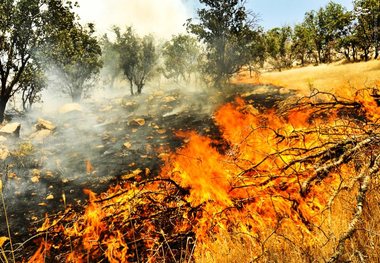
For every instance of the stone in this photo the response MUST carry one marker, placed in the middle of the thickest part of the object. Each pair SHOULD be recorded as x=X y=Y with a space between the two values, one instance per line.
x=40 y=135
x=2 y=139
x=11 y=129
x=4 y=152
x=45 y=125
x=70 y=107
x=137 y=122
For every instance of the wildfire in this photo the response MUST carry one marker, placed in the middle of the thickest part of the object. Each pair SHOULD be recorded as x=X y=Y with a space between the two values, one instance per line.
x=277 y=175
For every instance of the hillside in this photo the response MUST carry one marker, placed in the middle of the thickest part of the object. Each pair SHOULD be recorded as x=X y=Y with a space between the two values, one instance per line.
x=331 y=77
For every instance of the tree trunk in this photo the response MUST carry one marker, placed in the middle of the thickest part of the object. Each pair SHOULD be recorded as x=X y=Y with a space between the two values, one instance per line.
x=76 y=96
x=3 y=104
x=139 y=88
x=347 y=54
x=366 y=54
x=131 y=87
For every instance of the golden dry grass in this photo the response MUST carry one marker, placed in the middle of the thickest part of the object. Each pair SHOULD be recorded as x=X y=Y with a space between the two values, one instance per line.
x=324 y=77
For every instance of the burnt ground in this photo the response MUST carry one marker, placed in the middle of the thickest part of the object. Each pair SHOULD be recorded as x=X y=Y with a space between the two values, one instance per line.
x=103 y=144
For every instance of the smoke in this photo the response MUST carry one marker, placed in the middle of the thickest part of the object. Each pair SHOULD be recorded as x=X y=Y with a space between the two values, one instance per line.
x=163 y=18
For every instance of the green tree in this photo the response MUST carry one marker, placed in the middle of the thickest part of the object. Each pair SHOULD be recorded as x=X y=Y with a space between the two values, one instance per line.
x=76 y=55
x=147 y=60
x=31 y=83
x=110 y=57
x=127 y=46
x=226 y=30
x=367 y=13
x=327 y=25
x=302 y=45
x=21 y=31
x=278 y=47
x=29 y=30
x=137 y=57
x=181 y=57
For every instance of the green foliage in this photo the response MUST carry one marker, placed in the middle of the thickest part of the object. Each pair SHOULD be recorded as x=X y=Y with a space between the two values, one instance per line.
x=278 y=47
x=227 y=32
x=32 y=82
x=137 y=56
x=30 y=29
x=21 y=30
x=146 y=62
x=76 y=54
x=367 y=13
x=302 y=44
x=181 y=57
x=110 y=57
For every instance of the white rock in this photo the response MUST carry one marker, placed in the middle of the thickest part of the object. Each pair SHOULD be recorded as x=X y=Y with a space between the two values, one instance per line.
x=11 y=129
x=45 y=125
x=40 y=135
x=70 y=107
x=4 y=152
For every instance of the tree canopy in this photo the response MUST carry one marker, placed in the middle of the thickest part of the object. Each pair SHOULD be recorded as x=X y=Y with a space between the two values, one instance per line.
x=181 y=57
x=32 y=31
x=226 y=29
x=137 y=57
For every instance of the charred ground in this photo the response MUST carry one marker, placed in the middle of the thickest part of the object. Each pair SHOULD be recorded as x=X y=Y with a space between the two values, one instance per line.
x=106 y=142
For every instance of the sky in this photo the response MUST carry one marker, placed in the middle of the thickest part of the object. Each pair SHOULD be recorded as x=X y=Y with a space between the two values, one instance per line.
x=164 y=18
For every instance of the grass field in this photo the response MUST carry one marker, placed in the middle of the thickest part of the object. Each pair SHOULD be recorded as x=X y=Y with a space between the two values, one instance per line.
x=323 y=77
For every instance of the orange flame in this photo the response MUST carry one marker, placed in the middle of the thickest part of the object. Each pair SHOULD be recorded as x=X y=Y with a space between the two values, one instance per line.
x=253 y=187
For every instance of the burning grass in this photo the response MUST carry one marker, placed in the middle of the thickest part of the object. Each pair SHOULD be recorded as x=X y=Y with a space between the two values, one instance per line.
x=292 y=184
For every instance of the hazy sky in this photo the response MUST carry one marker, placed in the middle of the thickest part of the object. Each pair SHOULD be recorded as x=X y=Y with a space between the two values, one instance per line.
x=166 y=17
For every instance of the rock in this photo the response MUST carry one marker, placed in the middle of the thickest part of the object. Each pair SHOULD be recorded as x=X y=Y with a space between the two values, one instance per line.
x=4 y=152
x=40 y=135
x=137 y=122
x=129 y=105
x=11 y=129
x=45 y=125
x=2 y=139
x=169 y=99
x=70 y=107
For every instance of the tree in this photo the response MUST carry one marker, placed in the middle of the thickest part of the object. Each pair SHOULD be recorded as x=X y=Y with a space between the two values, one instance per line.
x=278 y=47
x=126 y=45
x=20 y=34
x=181 y=55
x=137 y=57
x=75 y=53
x=110 y=57
x=367 y=14
x=147 y=59
x=26 y=27
x=326 y=26
x=302 y=44
x=226 y=30
x=32 y=82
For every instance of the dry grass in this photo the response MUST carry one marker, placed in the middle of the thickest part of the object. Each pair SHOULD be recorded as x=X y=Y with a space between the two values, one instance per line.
x=324 y=77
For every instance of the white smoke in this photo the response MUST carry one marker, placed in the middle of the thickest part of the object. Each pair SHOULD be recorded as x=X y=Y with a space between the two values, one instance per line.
x=163 y=18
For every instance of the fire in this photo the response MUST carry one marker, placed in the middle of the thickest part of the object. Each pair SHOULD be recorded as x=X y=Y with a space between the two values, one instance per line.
x=41 y=253
x=277 y=174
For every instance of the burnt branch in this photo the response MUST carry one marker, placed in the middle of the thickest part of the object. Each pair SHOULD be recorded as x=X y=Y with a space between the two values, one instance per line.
x=365 y=180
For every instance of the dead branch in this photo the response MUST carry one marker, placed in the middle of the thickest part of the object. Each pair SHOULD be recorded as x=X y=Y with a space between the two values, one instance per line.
x=322 y=171
x=365 y=180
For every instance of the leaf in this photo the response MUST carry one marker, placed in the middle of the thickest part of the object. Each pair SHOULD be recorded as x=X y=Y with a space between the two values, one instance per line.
x=127 y=145
x=161 y=131
x=139 y=121
x=3 y=240
x=89 y=167
x=35 y=179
